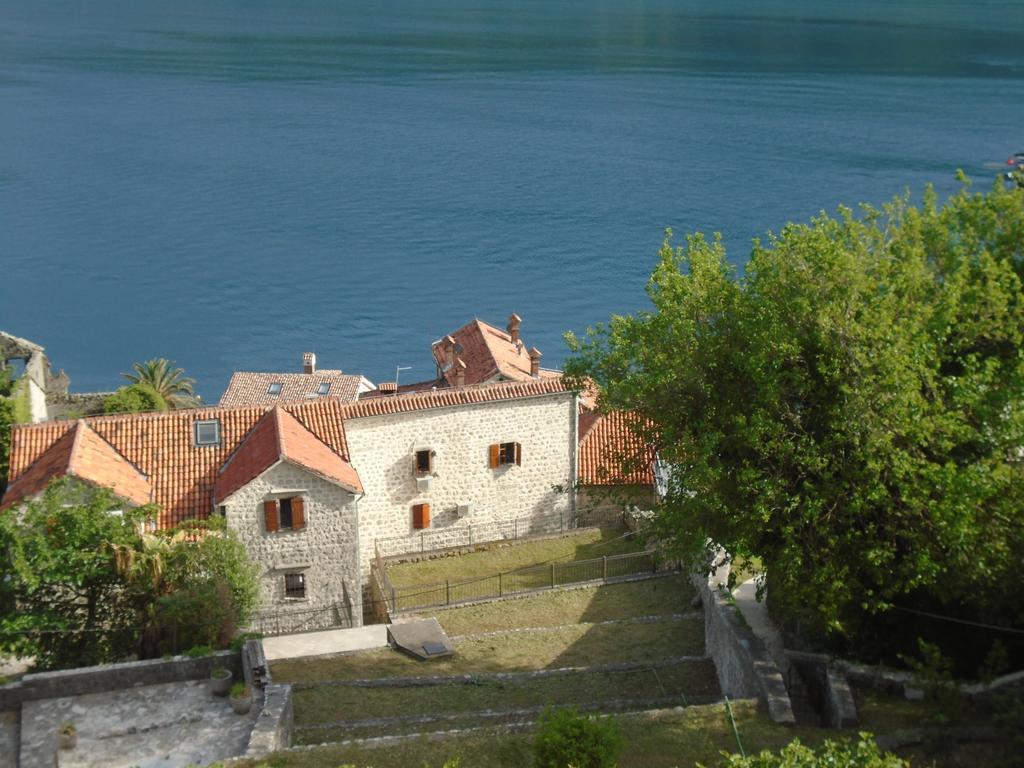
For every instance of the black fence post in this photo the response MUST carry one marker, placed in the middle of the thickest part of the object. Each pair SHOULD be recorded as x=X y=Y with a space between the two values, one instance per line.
x=604 y=567
x=552 y=575
x=447 y=593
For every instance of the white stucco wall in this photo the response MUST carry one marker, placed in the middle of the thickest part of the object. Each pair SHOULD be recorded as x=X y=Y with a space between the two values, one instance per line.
x=36 y=400
x=325 y=550
x=382 y=449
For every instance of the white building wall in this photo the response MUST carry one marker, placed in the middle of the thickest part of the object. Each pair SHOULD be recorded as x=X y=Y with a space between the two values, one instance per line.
x=325 y=550
x=36 y=400
x=382 y=449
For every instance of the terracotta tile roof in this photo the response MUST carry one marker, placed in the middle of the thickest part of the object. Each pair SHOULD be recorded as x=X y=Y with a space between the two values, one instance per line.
x=184 y=476
x=442 y=398
x=487 y=352
x=611 y=452
x=161 y=445
x=252 y=388
x=82 y=453
x=279 y=436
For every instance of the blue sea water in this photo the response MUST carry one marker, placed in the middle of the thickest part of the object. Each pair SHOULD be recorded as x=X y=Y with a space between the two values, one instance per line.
x=229 y=183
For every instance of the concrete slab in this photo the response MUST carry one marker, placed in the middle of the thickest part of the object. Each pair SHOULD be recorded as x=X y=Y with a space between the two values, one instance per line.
x=423 y=639
x=325 y=643
x=153 y=726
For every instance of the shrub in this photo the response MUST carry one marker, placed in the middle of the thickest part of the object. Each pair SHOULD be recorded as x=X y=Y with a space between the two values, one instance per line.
x=197 y=651
x=134 y=399
x=832 y=754
x=567 y=738
x=240 y=640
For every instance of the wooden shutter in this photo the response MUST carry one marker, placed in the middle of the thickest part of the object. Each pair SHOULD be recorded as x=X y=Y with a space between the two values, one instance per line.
x=271 y=519
x=298 y=513
x=495 y=455
x=420 y=515
x=519 y=455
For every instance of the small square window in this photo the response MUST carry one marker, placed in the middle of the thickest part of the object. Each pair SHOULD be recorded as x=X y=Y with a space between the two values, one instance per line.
x=424 y=462
x=507 y=453
x=295 y=585
x=275 y=388
x=207 y=432
x=324 y=388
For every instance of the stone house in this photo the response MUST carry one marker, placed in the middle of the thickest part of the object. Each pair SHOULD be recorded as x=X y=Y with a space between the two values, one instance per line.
x=259 y=388
x=310 y=486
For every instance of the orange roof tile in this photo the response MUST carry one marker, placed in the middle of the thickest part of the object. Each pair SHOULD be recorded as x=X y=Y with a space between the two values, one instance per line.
x=252 y=388
x=184 y=476
x=487 y=352
x=279 y=436
x=612 y=452
x=82 y=453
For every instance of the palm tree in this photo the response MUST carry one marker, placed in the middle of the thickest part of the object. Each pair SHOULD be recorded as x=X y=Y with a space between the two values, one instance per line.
x=170 y=383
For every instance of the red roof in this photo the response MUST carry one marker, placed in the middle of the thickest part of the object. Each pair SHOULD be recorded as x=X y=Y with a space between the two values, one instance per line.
x=82 y=453
x=253 y=388
x=279 y=436
x=487 y=352
x=612 y=450
x=186 y=478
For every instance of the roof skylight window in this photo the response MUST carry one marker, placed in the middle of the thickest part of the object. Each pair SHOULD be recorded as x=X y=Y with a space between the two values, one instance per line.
x=275 y=388
x=324 y=388
x=207 y=432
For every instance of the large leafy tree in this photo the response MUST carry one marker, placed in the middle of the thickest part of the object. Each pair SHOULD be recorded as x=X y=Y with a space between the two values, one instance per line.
x=849 y=409
x=170 y=384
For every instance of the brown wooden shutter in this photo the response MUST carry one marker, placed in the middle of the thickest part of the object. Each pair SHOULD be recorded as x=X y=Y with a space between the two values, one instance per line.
x=519 y=455
x=495 y=455
x=298 y=513
x=271 y=519
x=420 y=515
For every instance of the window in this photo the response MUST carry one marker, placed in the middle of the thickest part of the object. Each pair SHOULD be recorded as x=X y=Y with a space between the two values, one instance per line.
x=502 y=454
x=420 y=515
x=287 y=514
x=424 y=462
x=295 y=585
x=207 y=432
x=275 y=388
x=324 y=388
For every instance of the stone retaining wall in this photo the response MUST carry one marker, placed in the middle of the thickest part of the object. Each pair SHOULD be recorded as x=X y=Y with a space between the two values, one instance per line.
x=112 y=677
x=828 y=687
x=745 y=669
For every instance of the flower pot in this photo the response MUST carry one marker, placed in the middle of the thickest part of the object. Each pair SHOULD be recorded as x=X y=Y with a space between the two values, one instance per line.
x=67 y=740
x=241 y=704
x=220 y=682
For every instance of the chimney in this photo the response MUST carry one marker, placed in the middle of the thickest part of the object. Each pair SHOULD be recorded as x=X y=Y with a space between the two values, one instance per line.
x=535 y=357
x=460 y=373
x=513 y=328
x=449 y=350
x=308 y=362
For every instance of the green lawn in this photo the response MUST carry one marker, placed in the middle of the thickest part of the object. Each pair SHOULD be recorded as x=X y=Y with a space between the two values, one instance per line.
x=501 y=557
x=665 y=595
x=569 y=646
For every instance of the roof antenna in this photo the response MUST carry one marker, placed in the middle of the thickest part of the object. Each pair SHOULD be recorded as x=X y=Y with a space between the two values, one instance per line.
x=399 y=369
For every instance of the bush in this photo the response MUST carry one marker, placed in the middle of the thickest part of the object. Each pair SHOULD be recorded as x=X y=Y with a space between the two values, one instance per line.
x=832 y=754
x=134 y=399
x=567 y=738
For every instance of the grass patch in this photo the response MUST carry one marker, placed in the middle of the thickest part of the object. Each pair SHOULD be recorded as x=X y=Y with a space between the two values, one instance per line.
x=662 y=740
x=569 y=646
x=611 y=601
x=583 y=545
x=330 y=703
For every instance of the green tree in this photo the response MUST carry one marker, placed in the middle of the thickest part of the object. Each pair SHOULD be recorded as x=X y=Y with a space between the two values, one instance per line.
x=849 y=410
x=6 y=422
x=567 y=738
x=135 y=398
x=61 y=599
x=832 y=754
x=171 y=384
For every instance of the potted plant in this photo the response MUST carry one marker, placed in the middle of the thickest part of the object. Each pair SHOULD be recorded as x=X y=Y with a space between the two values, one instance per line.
x=67 y=736
x=220 y=681
x=241 y=698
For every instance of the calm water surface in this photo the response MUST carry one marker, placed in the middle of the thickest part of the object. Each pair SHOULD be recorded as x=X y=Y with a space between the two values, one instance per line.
x=228 y=183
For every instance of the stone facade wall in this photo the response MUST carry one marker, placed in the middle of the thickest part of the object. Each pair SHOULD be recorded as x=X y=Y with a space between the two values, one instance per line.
x=601 y=505
x=382 y=449
x=325 y=550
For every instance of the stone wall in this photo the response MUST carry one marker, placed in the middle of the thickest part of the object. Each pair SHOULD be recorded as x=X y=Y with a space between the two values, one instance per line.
x=745 y=669
x=382 y=449
x=113 y=677
x=325 y=550
x=601 y=505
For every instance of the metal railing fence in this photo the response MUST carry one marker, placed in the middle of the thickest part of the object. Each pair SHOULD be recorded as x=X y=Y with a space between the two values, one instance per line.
x=287 y=622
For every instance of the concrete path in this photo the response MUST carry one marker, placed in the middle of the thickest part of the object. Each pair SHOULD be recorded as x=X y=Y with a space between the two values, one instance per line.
x=756 y=615
x=326 y=642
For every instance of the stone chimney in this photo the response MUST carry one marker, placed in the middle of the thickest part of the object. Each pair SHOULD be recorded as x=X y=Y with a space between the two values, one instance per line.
x=449 y=350
x=535 y=357
x=460 y=373
x=513 y=328
x=308 y=362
